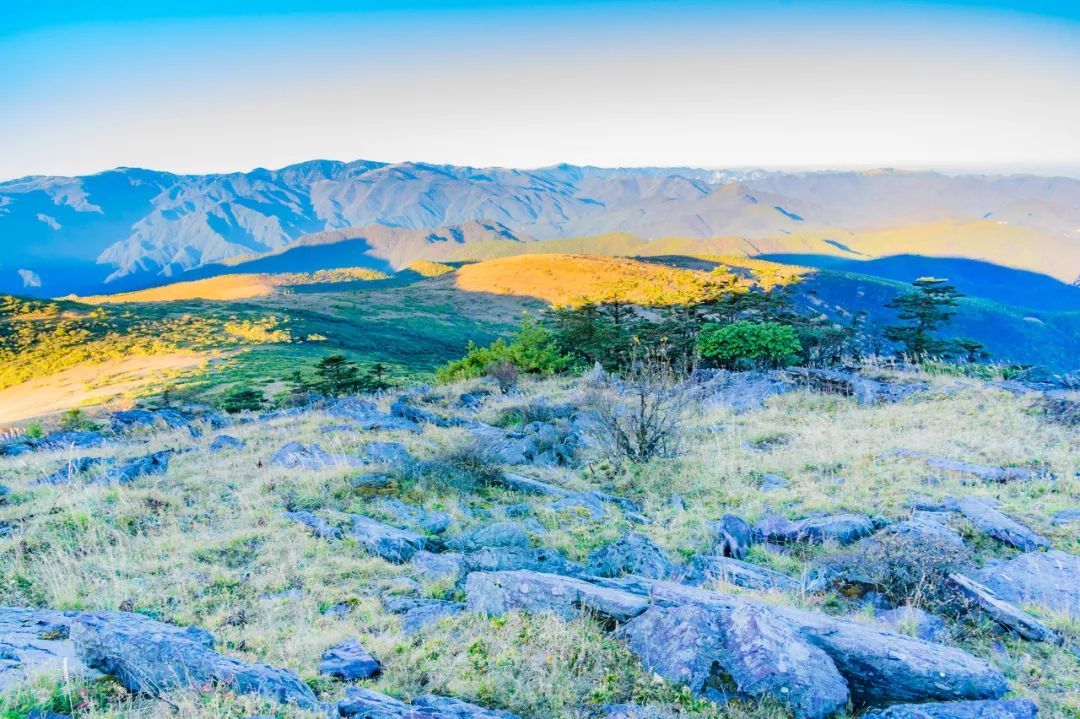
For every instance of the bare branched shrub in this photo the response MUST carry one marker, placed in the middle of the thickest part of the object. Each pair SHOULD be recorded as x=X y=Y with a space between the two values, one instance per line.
x=505 y=375
x=913 y=567
x=641 y=414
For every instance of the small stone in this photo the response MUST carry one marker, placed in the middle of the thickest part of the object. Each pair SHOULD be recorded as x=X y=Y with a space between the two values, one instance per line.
x=349 y=661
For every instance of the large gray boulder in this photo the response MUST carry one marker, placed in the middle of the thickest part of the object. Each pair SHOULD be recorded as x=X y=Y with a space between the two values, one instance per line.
x=1046 y=579
x=994 y=524
x=392 y=544
x=497 y=593
x=1005 y=709
x=881 y=667
x=743 y=391
x=841 y=528
x=631 y=554
x=763 y=656
x=149 y=657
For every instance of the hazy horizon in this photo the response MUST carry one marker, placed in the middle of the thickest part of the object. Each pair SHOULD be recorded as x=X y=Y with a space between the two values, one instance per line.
x=974 y=171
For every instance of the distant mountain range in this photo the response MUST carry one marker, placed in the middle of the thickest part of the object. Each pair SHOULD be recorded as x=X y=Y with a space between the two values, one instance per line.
x=130 y=228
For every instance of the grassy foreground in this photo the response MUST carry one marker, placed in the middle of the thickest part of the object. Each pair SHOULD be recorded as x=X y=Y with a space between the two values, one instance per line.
x=206 y=544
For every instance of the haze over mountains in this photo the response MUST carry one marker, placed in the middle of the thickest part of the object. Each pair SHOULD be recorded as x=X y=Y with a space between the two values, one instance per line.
x=131 y=228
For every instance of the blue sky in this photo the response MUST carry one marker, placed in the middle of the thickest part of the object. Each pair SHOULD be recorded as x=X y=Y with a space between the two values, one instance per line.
x=207 y=85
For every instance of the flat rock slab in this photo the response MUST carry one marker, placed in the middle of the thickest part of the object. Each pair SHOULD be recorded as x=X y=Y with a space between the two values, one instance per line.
x=150 y=657
x=739 y=573
x=370 y=704
x=392 y=544
x=1047 y=579
x=1004 y=613
x=497 y=593
x=981 y=472
x=880 y=667
x=37 y=642
x=1004 y=709
x=319 y=526
x=994 y=524
x=294 y=455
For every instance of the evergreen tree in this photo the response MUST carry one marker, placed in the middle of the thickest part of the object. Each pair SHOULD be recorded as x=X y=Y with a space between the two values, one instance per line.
x=971 y=350
x=926 y=310
x=335 y=376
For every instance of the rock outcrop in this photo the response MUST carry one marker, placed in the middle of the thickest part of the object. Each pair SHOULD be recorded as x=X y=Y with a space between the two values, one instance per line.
x=149 y=657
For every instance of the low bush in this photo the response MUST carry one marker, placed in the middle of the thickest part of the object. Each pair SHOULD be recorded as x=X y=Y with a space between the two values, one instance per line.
x=913 y=567
x=460 y=468
x=531 y=351
x=75 y=420
x=746 y=345
x=240 y=398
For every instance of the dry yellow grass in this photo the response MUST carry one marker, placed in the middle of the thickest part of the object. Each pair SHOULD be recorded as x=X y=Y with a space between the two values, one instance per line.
x=233 y=287
x=571 y=279
x=98 y=383
x=208 y=539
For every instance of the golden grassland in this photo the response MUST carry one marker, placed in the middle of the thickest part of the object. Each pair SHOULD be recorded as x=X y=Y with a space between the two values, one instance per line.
x=235 y=287
x=208 y=539
x=573 y=279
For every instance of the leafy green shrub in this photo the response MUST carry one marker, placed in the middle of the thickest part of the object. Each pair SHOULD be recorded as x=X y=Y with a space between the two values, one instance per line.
x=75 y=420
x=747 y=344
x=34 y=430
x=532 y=350
x=239 y=398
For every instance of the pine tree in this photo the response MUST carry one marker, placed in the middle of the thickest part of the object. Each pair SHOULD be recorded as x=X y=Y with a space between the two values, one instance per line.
x=335 y=376
x=927 y=310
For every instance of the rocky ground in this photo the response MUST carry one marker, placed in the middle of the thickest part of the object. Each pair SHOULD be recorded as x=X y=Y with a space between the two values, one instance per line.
x=825 y=544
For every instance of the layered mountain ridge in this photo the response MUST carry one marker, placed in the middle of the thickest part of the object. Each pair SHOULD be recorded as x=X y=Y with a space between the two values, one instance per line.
x=130 y=228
